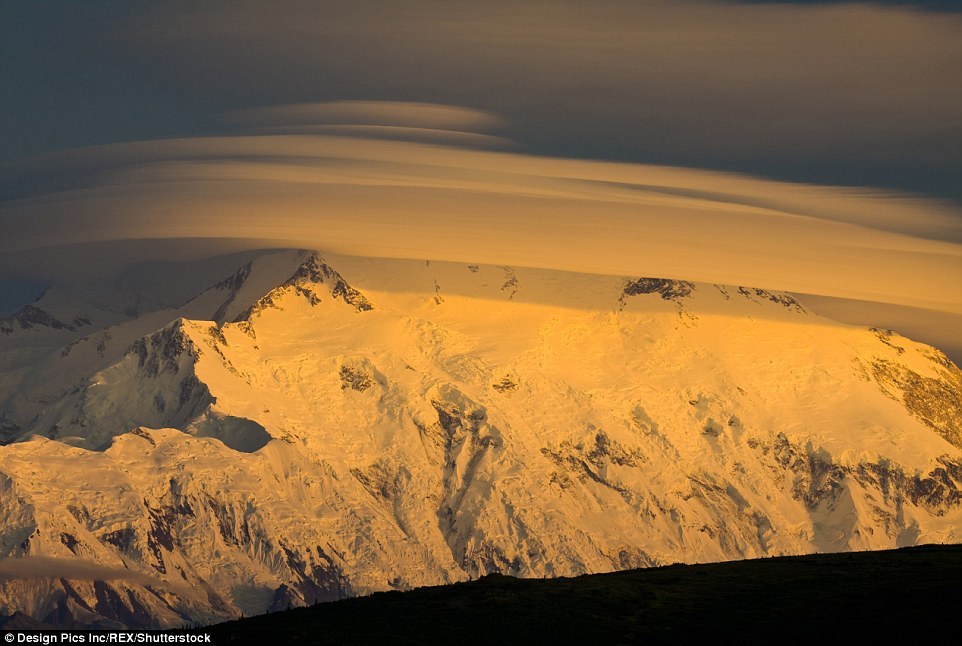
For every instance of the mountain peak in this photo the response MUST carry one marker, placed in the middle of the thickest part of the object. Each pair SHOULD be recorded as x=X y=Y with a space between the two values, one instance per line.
x=311 y=273
x=527 y=426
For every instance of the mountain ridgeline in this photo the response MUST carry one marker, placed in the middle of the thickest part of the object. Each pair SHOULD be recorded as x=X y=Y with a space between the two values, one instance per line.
x=312 y=428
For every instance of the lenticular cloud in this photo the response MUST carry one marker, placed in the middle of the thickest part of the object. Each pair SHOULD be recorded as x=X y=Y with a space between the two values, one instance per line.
x=387 y=179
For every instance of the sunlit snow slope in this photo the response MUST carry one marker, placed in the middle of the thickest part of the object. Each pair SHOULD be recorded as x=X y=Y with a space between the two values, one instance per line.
x=315 y=427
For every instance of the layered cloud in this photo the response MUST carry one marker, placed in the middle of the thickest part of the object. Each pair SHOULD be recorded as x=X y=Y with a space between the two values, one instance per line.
x=837 y=92
x=415 y=199
x=368 y=113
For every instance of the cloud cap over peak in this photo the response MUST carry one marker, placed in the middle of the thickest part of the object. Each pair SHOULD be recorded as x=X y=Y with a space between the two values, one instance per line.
x=376 y=196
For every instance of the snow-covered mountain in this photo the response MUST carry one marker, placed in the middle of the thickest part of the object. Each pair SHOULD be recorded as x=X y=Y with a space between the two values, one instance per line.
x=315 y=427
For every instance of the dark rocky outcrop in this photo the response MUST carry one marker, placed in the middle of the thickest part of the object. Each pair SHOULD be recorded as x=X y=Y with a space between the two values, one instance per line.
x=31 y=317
x=786 y=301
x=313 y=271
x=668 y=289
x=936 y=402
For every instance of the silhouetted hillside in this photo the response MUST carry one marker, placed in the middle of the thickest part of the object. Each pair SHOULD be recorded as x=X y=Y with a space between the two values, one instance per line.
x=909 y=594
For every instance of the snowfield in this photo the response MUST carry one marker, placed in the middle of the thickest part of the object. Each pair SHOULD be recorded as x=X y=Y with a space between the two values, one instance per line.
x=313 y=427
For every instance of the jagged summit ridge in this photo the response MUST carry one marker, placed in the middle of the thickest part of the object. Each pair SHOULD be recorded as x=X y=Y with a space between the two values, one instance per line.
x=311 y=273
x=479 y=419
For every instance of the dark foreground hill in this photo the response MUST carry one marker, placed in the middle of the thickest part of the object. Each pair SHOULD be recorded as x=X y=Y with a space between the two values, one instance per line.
x=912 y=594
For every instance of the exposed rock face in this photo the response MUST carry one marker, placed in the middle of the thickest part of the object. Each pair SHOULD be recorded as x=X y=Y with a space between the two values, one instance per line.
x=232 y=285
x=189 y=469
x=938 y=491
x=816 y=480
x=669 y=290
x=30 y=317
x=160 y=352
x=312 y=273
x=935 y=401
x=786 y=301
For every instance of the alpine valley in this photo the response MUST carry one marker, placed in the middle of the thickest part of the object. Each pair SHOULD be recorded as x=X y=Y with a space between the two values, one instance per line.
x=192 y=443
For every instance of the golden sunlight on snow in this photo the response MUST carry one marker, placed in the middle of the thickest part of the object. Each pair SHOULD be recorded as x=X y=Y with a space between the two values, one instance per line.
x=392 y=190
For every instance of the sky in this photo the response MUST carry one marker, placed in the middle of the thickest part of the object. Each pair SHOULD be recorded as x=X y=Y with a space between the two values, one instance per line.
x=837 y=93
x=809 y=146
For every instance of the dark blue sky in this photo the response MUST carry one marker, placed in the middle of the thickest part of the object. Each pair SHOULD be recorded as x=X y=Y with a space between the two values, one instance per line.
x=785 y=90
x=66 y=85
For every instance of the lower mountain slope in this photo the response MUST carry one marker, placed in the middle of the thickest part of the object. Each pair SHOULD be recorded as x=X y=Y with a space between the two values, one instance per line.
x=311 y=428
